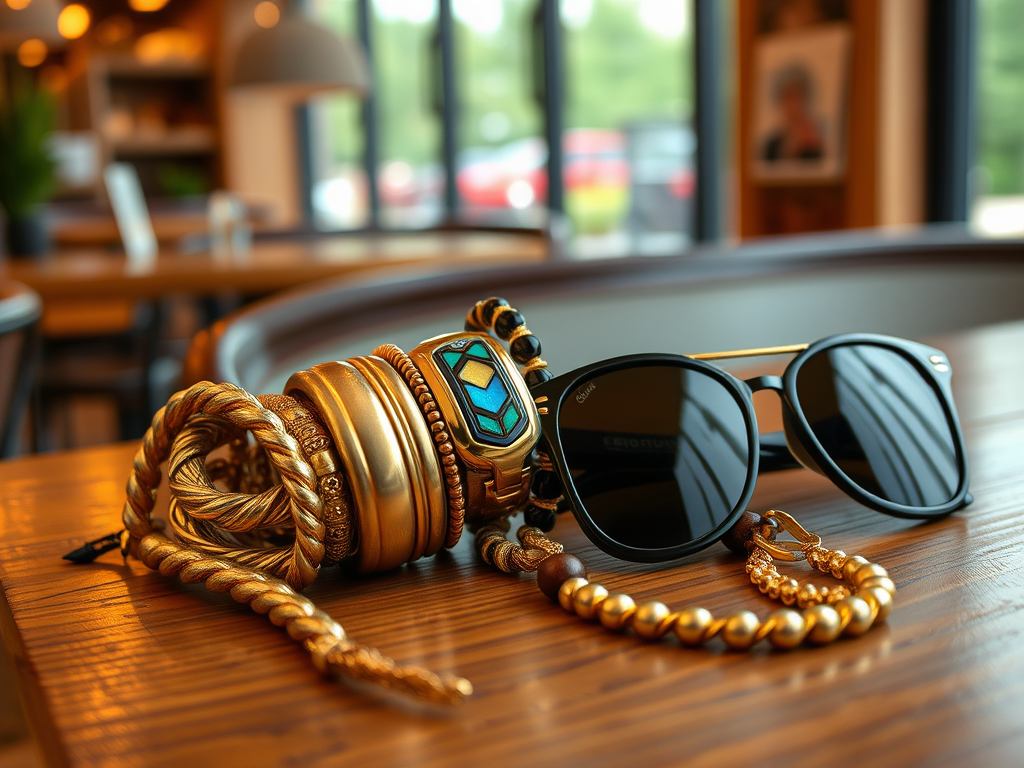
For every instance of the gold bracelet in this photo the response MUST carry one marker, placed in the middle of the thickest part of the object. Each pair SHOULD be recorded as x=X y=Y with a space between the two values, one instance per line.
x=827 y=612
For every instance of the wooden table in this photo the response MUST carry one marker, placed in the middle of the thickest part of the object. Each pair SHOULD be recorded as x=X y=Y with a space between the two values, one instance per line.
x=268 y=267
x=122 y=666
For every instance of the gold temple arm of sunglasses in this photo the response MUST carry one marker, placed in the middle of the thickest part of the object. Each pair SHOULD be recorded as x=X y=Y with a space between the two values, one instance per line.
x=788 y=349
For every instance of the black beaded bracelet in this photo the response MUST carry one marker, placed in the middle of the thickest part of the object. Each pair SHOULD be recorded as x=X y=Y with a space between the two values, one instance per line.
x=509 y=326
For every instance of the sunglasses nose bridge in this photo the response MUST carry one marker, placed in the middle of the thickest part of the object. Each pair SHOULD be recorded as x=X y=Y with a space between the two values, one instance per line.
x=761 y=383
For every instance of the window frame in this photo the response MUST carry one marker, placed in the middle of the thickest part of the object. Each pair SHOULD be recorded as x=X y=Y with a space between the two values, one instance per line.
x=708 y=120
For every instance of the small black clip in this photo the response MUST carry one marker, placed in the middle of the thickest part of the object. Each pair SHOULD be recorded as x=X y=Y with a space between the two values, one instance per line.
x=93 y=549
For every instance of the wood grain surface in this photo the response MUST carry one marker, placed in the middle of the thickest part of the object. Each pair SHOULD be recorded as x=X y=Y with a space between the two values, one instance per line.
x=269 y=266
x=122 y=666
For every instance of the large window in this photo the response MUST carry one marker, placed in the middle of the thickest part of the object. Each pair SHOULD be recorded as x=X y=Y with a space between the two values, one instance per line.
x=628 y=144
x=407 y=167
x=478 y=139
x=999 y=172
x=501 y=174
x=339 y=193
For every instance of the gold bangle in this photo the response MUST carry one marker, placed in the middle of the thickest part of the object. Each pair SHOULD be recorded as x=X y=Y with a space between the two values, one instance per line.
x=376 y=447
x=453 y=473
x=421 y=461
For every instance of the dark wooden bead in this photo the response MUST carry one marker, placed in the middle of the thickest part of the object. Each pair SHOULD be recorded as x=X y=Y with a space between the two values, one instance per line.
x=545 y=484
x=538 y=376
x=737 y=538
x=556 y=570
x=539 y=517
x=508 y=322
x=525 y=348
x=487 y=311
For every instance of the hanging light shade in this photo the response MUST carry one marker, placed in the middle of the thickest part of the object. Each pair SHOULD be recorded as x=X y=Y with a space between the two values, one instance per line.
x=35 y=21
x=298 y=59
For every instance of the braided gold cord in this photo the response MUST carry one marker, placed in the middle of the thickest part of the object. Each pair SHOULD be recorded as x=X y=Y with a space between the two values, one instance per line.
x=533 y=548
x=245 y=413
x=233 y=409
x=211 y=520
x=323 y=637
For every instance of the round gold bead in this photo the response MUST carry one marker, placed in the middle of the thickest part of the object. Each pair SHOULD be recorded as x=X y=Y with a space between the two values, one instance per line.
x=825 y=624
x=857 y=613
x=806 y=595
x=865 y=572
x=692 y=625
x=566 y=592
x=756 y=574
x=879 y=581
x=788 y=630
x=615 y=611
x=740 y=630
x=787 y=591
x=851 y=565
x=877 y=596
x=587 y=599
x=649 y=618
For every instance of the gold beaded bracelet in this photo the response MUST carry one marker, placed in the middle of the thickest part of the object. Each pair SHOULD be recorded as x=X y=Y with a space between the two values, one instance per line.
x=827 y=613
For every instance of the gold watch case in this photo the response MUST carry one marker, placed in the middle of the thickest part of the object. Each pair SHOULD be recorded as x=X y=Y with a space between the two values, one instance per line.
x=491 y=416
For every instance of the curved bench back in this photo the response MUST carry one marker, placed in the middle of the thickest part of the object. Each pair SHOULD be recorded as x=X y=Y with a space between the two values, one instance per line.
x=781 y=291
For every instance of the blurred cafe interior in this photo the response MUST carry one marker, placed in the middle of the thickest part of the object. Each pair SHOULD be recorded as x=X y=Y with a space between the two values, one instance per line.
x=234 y=190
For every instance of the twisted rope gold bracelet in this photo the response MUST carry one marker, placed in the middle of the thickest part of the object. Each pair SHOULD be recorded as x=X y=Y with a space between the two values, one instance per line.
x=192 y=423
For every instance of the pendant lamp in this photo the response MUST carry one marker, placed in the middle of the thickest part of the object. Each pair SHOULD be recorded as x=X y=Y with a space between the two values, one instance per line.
x=297 y=58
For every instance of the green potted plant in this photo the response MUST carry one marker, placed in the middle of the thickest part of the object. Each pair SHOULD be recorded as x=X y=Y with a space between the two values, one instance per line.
x=27 y=179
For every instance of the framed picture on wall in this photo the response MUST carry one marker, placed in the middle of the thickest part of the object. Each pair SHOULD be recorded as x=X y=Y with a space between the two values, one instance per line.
x=801 y=92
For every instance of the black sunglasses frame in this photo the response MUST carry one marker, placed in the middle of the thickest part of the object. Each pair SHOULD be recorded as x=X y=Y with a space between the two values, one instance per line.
x=803 y=446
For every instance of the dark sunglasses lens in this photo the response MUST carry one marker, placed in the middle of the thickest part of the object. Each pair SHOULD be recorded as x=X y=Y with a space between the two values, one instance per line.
x=658 y=454
x=878 y=418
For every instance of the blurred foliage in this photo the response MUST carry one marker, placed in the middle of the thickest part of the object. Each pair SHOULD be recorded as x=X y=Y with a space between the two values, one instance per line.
x=1001 y=95
x=27 y=178
x=179 y=180
x=495 y=79
x=618 y=70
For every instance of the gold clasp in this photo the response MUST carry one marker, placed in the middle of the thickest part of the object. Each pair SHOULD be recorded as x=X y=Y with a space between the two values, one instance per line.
x=785 y=550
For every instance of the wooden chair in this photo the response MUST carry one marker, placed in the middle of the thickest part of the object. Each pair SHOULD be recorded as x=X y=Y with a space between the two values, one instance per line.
x=116 y=365
x=20 y=310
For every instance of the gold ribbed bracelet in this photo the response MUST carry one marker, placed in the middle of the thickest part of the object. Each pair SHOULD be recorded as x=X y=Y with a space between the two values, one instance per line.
x=439 y=431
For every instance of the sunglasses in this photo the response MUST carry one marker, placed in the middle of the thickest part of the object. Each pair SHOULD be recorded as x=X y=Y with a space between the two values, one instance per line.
x=658 y=454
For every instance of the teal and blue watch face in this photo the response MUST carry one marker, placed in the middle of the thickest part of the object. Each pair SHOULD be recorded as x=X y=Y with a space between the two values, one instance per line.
x=491 y=407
